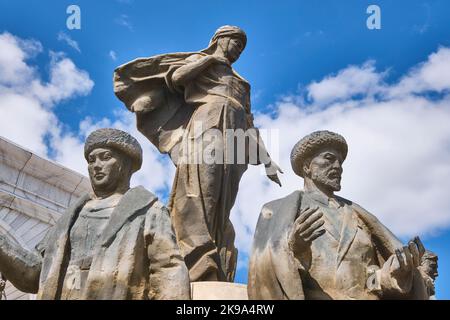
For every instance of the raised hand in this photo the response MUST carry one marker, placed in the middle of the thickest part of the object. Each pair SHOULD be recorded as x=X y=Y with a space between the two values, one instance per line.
x=401 y=265
x=306 y=229
x=272 y=172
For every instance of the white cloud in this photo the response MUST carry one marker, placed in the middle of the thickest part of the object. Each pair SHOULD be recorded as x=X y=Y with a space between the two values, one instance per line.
x=353 y=80
x=64 y=37
x=399 y=140
x=431 y=75
x=66 y=81
x=26 y=101
x=13 y=69
x=398 y=166
x=24 y=121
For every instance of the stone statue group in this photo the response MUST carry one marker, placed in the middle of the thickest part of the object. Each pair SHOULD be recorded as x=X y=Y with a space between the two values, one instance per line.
x=123 y=243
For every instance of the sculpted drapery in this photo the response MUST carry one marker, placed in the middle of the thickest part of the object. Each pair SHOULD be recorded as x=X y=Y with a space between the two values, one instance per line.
x=169 y=112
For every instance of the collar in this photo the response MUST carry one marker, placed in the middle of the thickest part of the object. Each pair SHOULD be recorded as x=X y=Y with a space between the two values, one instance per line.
x=134 y=202
x=320 y=197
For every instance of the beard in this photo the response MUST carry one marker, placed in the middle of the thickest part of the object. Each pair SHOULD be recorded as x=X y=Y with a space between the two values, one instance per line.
x=329 y=179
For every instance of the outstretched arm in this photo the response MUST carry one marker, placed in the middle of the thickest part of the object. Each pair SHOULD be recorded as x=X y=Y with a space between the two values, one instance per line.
x=21 y=267
x=262 y=154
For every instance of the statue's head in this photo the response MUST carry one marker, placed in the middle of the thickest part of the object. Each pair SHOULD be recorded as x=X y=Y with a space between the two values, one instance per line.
x=318 y=157
x=429 y=264
x=113 y=156
x=232 y=40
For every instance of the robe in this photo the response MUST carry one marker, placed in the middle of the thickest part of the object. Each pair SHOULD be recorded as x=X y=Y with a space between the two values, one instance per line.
x=337 y=265
x=202 y=194
x=137 y=256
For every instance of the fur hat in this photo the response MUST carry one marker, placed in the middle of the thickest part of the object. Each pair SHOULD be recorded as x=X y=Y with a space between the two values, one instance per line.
x=116 y=139
x=307 y=146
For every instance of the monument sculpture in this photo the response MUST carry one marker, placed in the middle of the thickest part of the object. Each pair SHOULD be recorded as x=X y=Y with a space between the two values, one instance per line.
x=117 y=243
x=182 y=101
x=313 y=244
x=429 y=270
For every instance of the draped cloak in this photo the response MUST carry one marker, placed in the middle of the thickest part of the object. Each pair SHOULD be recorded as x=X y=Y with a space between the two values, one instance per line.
x=274 y=272
x=137 y=257
x=202 y=194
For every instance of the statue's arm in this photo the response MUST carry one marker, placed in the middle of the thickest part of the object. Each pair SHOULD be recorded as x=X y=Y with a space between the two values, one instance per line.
x=21 y=267
x=169 y=277
x=257 y=148
x=192 y=69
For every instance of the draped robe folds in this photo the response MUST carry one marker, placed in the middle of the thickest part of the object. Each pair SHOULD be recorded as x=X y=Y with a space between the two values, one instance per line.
x=136 y=256
x=202 y=194
x=276 y=274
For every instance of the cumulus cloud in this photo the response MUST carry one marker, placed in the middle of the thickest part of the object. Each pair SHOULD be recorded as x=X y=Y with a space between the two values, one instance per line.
x=13 y=67
x=398 y=166
x=27 y=102
x=350 y=82
x=398 y=135
x=27 y=107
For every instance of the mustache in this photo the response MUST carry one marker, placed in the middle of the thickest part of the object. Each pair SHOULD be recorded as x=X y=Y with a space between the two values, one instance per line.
x=334 y=173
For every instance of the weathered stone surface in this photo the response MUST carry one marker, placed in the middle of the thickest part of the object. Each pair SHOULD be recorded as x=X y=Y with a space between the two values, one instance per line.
x=34 y=193
x=215 y=290
x=115 y=243
x=181 y=101
x=313 y=244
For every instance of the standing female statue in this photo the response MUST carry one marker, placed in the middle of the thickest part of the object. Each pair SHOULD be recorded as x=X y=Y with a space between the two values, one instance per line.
x=182 y=101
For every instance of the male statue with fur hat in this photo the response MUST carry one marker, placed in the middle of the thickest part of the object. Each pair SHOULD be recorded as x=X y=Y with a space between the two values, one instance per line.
x=116 y=243
x=315 y=245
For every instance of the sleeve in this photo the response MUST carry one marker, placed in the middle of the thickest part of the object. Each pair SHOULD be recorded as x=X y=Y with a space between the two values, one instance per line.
x=169 y=277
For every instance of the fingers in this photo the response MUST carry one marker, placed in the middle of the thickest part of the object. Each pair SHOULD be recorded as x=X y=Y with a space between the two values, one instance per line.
x=401 y=261
x=275 y=179
x=315 y=235
x=408 y=258
x=278 y=168
x=414 y=253
x=305 y=213
x=311 y=222
x=420 y=246
x=307 y=231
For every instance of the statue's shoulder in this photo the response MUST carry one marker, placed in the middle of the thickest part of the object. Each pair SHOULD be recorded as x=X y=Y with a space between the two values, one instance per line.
x=275 y=218
x=155 y=207
x=354 y=205
x=280 y=206
x=347 y=202
x=290 y=198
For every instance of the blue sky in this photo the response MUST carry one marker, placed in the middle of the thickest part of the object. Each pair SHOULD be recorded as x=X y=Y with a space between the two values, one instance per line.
x=292 y=44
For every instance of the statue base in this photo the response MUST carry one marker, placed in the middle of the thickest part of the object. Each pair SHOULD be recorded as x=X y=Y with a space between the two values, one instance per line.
x=216 y=290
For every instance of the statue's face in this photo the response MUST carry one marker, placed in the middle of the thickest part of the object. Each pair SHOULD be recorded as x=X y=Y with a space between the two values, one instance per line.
x=106 y=169
x=431 y=268
x=233 y=47
x=325 y=169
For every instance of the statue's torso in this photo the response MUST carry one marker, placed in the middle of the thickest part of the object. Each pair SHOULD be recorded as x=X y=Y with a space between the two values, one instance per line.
x=84 y=240
x=338 y=266
x=218 y=84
